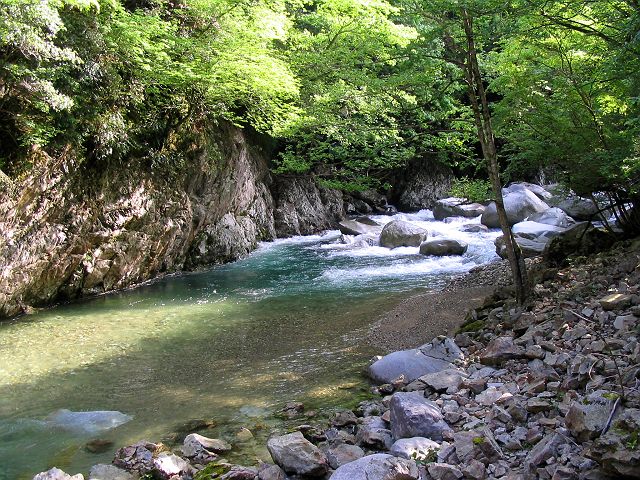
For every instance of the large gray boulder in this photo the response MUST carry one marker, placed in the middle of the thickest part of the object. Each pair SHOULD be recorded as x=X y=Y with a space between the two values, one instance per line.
x=379 y=466
x=399 y=233
x=519 y=204
x=535 y=230
x=296 y=455
x=412 y=415
x=456 y=207
x=579 y=208
x=442 y=247
x=529 y=248
x=410 y=363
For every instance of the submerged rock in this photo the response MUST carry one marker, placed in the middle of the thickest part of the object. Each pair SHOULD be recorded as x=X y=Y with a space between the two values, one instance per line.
x=109 y=472
x=87 y=422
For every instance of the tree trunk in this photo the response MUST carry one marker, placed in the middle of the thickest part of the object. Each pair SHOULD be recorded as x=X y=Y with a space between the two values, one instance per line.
x=482 y=116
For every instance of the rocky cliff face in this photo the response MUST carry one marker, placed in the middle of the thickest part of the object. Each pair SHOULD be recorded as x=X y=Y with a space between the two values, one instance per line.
x=72 y=229
x=420 y=184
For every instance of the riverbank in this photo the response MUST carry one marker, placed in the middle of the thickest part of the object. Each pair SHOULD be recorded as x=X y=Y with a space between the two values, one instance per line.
x=548 y=392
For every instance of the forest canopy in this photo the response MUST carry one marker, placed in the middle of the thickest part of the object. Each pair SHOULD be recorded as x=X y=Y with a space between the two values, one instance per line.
x=349 y=89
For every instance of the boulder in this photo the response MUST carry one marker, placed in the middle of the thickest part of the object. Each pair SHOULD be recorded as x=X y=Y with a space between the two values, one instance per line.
x=399 y=233
x=343 y=454
x=167 y=465
x=379 y=466
x=410 y=363
x=579 y=208
x=412 y=415
x=586 y=421
x=499 y=350
x=536 y=230
x=109 y=472
x=442 y=247
x=579 y=239
x=359 y=227
x=444 y=471
x=519 y=204
x=57 y=474
x=529 y=248
x=417 y=448
x=202 y=448
x=296 y=455
x=442 y=348
x=554 y=216
x=456 y=207
x=137 y=457
x=541 y=192
x=448 y=380
x=373 y=433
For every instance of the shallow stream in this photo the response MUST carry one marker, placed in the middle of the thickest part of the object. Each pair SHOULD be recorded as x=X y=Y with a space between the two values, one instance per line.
x=229 y=345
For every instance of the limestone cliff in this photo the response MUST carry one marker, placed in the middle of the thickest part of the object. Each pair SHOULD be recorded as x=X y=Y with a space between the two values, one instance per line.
x=74 y=228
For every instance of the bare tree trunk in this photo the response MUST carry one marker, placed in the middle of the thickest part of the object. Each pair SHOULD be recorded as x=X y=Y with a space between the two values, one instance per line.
x=482 y=116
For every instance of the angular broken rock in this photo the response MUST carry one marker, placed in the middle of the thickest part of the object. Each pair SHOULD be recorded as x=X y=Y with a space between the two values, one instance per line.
x=373 y=433
x=444 y=471
x=412 y=415
x=203 y=448
x=544 y=450
x=379 y=466
x=447 y=380
x=167 y=465
x=57 y=474
x=500 y=350
x=615 y=301
x=442 y=348
x=137 y=457
x=477 y=444
x=343 y=454
x=417 y=448
x=295 y=454
x=238 y=472
x=586 y=421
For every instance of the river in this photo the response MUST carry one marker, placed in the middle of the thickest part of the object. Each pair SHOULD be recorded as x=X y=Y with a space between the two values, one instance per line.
x=230 y=345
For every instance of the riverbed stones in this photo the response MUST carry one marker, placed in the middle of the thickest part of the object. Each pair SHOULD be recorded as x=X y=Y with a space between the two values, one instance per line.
x=137 y=457
x=109 y=472
x=379 y=466
x=412 y=415
x=448 y=380
x=400 y=233
x=296 y=455
x=586 y=421
x=443 y=247
x=57 y=474
x=444 y=471
x=410 y=363
x=417 y=448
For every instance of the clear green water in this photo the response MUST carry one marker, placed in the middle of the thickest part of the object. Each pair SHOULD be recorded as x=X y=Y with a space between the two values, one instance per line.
x=232 y=344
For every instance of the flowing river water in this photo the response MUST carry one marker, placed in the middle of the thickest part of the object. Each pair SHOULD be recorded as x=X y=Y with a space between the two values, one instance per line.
x=229 y=345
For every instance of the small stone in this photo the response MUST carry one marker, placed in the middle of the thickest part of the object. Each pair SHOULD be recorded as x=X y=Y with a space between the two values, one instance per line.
x=341 y=454
x=615 y=301
x=499 y=350
x=244 y=435
x=238 y=472
x=474 y=470
x=57 y=474
x=625 y=322
x=295 y=454
x=492 y=396
x=271 y=472
x=166 y=465
x=379 y=466
x=417 y=448
x=344 y=418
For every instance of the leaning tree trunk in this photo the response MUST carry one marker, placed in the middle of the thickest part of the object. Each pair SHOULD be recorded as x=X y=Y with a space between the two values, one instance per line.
x=482 y=116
